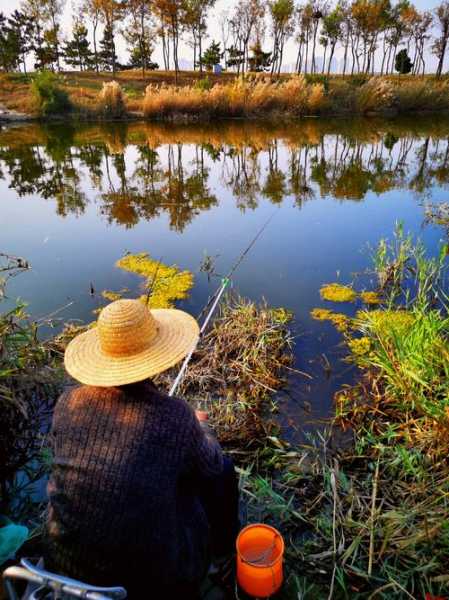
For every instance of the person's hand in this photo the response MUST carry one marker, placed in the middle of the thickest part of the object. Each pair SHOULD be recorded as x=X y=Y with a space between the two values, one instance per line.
x=202 y=415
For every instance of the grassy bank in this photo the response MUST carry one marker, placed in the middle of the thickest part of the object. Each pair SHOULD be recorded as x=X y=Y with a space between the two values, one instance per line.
x=203 y=97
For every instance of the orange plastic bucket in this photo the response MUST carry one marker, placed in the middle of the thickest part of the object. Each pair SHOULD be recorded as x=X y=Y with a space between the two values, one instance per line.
x=260 y=550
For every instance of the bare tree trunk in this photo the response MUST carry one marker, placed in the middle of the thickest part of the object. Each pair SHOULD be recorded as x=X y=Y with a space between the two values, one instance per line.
x=274 y=53
x=194 y=49
x=345 y=57
x=353 y=52
x=384 y=54
x=95 y=25
x=307 y=54
x=143 y=56
x=315 y=31
x=281 y=54
x=330 y=58
x=299 y=58
x=442 y=55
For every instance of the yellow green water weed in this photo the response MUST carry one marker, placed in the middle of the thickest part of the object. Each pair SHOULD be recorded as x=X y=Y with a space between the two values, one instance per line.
x=339 y=320
x=335 y=292
x=165 y=283
x=371 y=298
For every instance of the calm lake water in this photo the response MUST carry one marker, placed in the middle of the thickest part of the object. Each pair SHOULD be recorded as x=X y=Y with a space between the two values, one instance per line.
x=74 y=199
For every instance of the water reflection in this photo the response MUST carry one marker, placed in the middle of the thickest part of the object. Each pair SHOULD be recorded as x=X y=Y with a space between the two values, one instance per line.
x=143 y=171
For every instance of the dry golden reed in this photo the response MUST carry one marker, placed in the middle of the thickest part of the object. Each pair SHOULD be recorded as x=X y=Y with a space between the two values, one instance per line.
x=242 y=97
x=111 y=100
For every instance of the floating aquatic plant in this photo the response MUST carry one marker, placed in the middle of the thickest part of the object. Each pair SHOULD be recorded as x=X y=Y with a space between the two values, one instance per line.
x=359 y=346
x=335 y=292
x=339 y=320
x=165 y=284
x=112 y=296
x=370 y=298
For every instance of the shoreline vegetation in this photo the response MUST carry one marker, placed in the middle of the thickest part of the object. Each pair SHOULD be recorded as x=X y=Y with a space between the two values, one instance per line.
x=96 y=97
x=366 y=520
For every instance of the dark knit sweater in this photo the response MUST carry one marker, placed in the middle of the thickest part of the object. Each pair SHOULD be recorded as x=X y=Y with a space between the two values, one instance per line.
x=123 y=494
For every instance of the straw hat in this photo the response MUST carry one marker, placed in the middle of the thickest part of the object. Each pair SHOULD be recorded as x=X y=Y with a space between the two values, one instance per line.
x=130 y=343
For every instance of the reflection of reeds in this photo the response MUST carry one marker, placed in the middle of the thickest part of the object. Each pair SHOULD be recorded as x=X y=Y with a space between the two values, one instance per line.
x=237 y=134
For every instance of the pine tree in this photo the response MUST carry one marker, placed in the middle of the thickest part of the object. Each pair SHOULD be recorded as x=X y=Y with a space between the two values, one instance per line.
x=21 y=24
x=77 y=52
x=44 y=49
x=403 y=64
x=137 y=60
x=260 y=60
x=211 y=56
x=235 y=57
x=9 y=46
x=108 y=57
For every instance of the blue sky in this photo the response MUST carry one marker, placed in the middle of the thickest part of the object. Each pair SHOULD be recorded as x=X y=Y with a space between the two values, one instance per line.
x=222 y=6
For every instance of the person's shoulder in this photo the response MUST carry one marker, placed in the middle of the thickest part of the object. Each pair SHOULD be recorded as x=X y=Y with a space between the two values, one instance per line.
x=79 y=394
x=176 y=406
x=71 y=398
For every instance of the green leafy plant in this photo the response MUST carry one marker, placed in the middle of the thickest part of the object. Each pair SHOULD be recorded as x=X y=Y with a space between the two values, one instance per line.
x=204 y=84
x=50 y=98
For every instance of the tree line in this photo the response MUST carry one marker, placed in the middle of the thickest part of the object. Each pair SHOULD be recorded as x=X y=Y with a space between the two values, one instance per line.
x=372 y=35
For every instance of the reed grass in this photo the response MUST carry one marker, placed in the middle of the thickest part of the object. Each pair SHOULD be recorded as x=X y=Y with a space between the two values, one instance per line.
x=111 y=101
x=241 y=98
x=295 y=96
x=240 y=363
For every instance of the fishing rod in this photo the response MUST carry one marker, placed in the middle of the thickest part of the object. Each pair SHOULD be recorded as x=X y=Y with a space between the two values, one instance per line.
x=214 y=300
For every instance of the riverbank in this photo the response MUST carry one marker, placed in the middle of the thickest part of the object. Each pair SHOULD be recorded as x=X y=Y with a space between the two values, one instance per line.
x=362 y=519
x=197 y=97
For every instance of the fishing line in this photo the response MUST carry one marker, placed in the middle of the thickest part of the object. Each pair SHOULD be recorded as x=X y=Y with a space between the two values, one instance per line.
x=214 y=300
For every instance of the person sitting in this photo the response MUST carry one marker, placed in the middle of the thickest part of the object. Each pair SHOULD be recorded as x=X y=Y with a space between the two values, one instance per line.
x=140 y=494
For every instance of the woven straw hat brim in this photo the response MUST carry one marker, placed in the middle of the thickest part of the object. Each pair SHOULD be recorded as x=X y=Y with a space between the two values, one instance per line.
x=177 y=334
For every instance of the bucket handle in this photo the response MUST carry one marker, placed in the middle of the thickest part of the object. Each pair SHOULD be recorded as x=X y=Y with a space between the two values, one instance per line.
x=264 y=554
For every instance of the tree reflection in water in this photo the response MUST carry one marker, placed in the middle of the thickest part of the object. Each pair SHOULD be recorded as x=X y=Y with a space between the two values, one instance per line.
x=142 y=171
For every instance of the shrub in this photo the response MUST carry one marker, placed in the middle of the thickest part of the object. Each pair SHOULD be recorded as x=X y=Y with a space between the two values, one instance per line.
x=49 y=96
x=111 y=100
x=203 y=84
